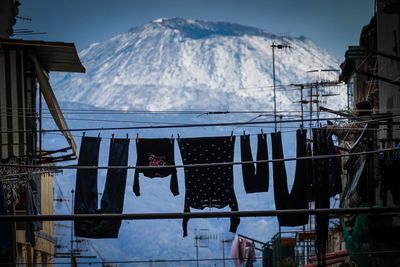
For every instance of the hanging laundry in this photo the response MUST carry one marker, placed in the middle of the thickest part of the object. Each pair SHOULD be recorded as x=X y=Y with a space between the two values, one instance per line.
x=255 y=179
x=334 y=169
x=389 y=164
x=298 y=196
x=243 y=252
x=310 y=174
x=7 y=230
x=209 y=186
x=156 y=152
x=321 y=182
x=86 y=195
x=31 y=209
x=356 y=190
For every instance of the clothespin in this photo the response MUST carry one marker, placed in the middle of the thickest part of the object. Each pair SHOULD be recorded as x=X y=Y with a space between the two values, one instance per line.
x=98 y=136
x=127 y=136
x=112 y=138
x=244 y=134
x=179 y=138
x=231 y=136
x=262 y=134
x=137 y=138
x=172 y=138
x=83 y=135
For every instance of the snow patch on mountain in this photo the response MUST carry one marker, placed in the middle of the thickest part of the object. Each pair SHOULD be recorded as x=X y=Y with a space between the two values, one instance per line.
x=171 y=64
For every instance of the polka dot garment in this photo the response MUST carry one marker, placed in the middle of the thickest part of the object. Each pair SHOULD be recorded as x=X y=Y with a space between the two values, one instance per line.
x=209 y=186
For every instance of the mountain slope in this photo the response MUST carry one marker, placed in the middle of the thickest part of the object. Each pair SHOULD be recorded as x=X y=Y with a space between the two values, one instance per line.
x=172 y=63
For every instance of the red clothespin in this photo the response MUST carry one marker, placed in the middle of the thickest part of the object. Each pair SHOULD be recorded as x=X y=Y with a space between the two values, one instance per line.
x=137 y=138
x=112 y=138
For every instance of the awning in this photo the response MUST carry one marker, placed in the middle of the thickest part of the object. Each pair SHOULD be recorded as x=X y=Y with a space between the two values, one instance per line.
x=54 y=56
x=52 y=103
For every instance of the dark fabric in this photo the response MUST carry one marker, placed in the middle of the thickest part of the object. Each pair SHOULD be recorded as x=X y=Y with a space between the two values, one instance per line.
x=113 y=195
x=298 y=196
x=334 y=169
x=31 y=209
x=310 y=174
x=5 y=228
x=156 y=152
x=86 y=195
x=321 y=182
x=389 y=164
x=356 y=190
x=209 y=186
x=255 y=179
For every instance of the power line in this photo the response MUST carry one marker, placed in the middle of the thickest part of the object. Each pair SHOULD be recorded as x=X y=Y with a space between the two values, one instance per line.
x=199 y=165
x=194 y=125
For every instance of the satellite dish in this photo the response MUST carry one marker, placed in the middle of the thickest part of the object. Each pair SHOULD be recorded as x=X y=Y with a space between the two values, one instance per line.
x=8 y=14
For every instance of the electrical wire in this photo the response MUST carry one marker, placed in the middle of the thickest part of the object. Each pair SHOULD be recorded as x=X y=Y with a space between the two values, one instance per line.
x=194 y=125
x=198 y=165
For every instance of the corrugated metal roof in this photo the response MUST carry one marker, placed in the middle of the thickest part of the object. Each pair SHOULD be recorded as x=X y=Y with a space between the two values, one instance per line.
x=54 y=56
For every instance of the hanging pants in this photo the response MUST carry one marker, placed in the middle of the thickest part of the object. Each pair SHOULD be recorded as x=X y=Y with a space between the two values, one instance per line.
x=255 y=179
x=298 y=197
x=321 y=182
x=86 y=195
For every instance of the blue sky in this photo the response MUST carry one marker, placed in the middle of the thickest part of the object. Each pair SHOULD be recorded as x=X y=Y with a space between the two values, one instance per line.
x=331 y=24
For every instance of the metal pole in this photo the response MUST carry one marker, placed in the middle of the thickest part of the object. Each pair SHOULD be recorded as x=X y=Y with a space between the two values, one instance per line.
x=197 y=249
x=72 y=229
x=301 y=105
x=40 y=124
x=187 y=215
x=223 y=252
x=273 y=77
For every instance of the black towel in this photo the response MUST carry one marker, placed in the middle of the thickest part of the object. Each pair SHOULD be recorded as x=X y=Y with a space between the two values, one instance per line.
x=298 y=196
x=255 y=179
x=156 y=152
x=209 y=186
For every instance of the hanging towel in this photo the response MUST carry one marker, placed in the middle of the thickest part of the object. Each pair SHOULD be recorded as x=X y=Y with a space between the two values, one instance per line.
x=255 y=179
x=298 y=197
x=156 y=152
x=114 y=190
x=243 y=252
x=209 y=186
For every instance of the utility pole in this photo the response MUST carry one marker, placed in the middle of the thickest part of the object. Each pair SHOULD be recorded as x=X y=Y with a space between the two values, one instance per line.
x=278 y=46
x=223 y=241
x=72 y=230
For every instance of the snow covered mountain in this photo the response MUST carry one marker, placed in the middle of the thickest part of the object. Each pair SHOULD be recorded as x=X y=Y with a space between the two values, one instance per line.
x=171 y=64
x=177 y=64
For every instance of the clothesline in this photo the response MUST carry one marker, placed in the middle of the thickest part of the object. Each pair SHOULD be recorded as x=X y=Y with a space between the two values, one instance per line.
x=187 y=215
x=195 y=125
x=200 y=165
